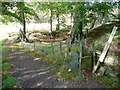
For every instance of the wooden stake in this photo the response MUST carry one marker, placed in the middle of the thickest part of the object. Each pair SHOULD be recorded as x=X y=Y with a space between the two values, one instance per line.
x=94 y=55
x=52 y=48
x=34 y=45
x=80 y=58
x=61 y=48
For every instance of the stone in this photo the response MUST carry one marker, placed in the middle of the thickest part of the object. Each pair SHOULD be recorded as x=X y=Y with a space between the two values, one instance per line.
x=110 y=60
x=74 y=62
x=110 y=72
x=102 y=71
x=113 y=74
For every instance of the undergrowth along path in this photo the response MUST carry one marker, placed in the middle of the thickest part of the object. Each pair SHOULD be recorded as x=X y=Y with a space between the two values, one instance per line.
x=31 y=73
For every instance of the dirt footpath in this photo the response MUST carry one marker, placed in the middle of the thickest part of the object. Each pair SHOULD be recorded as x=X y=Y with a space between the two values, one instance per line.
x=31 y=73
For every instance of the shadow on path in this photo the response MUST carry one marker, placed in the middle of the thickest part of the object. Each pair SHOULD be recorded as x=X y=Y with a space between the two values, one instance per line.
x=37 y=74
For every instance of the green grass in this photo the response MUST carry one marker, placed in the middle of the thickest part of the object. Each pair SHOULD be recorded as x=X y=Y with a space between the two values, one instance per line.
x=4 y=48
x=5 y=66
x=3 y=59
x=109 y=82
x=2 y=41
x=7 y=80
x=65 y=75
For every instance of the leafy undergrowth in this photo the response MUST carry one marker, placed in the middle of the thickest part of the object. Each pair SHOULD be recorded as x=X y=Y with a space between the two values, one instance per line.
x=109 y=82
x=7 y=80
x=65 y=75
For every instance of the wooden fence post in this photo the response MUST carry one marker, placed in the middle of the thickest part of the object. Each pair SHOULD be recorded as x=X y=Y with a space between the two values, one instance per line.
x=93 y=55
x=80 y=58
x=61 y=48
x=52 y=48
x=34 y=45
x=68 y=45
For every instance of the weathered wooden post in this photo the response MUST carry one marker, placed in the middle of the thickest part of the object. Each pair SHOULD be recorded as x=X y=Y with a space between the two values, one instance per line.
x=34 y=45
x=80 y=54
x=60 y=46
x=80 y=58
x=20 y=33
x=68 y=45
x=61 y=49
x=52 y=47
x=93 y=55
x=102 y=56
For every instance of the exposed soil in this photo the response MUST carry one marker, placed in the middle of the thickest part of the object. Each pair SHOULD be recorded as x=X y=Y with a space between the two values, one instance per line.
x=32 y=73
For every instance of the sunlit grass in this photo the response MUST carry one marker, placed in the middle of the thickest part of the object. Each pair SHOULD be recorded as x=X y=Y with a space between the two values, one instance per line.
x=7 y=80
x=65 y=75
x=5 y=48
x=3 y=59
x=2 y=41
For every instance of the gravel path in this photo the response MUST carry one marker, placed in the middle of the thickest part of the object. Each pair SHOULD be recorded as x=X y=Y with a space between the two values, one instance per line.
x=31 y=73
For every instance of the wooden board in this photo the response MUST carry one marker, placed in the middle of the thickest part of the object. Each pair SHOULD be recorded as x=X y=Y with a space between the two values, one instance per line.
x=102 y=56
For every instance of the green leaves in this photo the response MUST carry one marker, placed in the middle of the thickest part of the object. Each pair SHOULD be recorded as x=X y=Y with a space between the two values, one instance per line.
x=15 y=10
x=9 y=82
x=5 y=66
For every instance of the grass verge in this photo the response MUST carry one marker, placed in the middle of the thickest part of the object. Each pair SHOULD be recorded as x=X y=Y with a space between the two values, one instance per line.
x=109 y=82
x=7 y=80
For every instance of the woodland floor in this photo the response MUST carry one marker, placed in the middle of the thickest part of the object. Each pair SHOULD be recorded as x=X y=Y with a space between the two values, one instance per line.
x=30 y=73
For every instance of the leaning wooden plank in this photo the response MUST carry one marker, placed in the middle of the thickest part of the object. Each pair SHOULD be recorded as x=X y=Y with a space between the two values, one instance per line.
x=107 y=45
x=102 y=56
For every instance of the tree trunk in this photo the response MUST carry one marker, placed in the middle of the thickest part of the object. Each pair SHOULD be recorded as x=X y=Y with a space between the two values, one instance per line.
x=22 y=34
x=77 y=26
x=71 y=16
x=119 y=11
x=80 y=28
x=58 y=20
x=24 y=29
x=51 y=12
x=24 y=24
x=73 y=33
